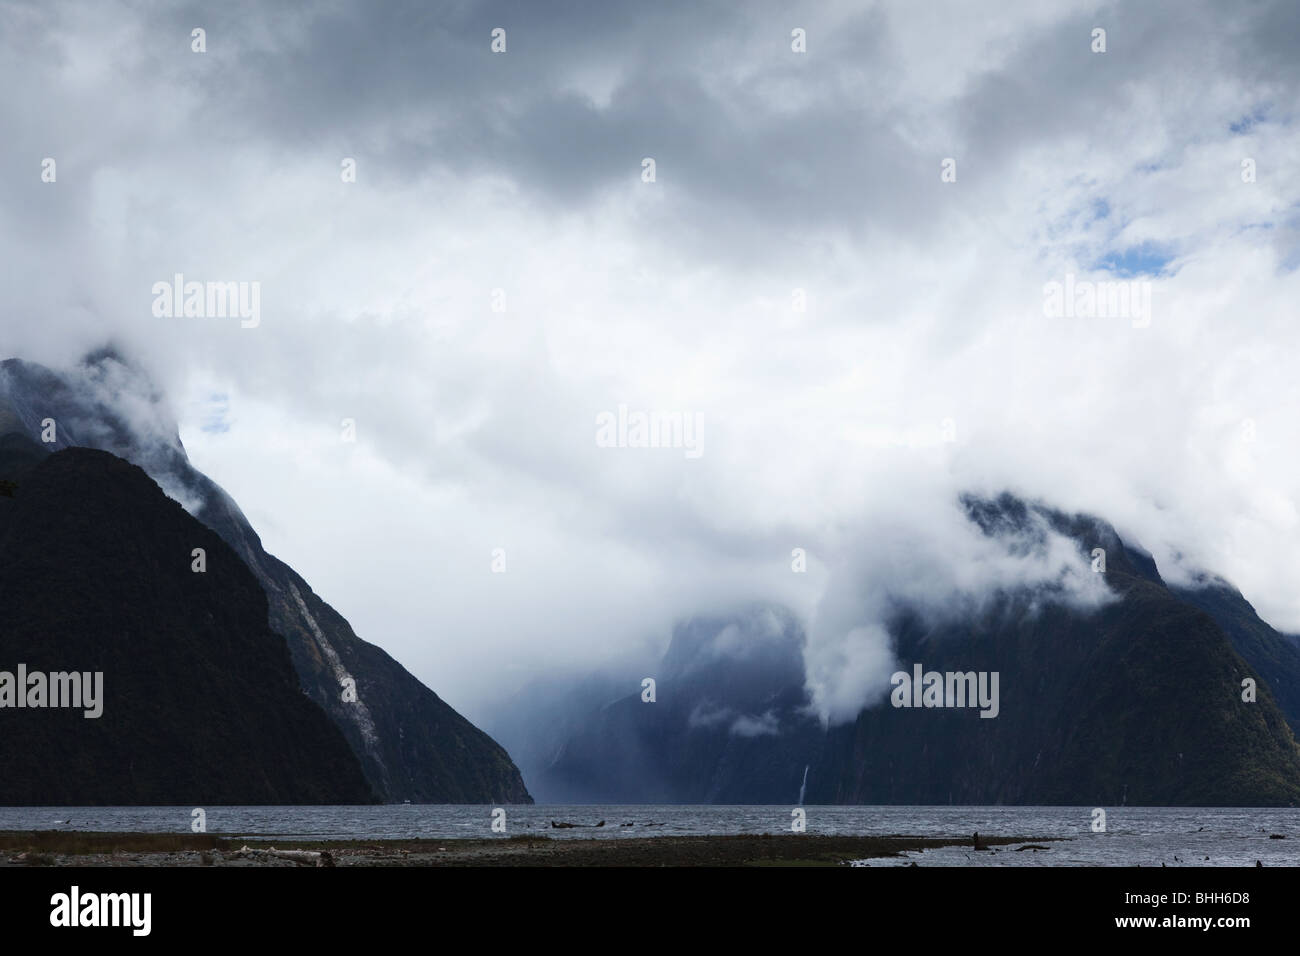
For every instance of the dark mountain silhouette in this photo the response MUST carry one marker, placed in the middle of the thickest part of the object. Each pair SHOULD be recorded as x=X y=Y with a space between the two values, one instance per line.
x=200 y=702
x=411 y=745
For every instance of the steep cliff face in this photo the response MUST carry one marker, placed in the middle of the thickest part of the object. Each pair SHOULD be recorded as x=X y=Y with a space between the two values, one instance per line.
x=199 y=703
x=410 y=743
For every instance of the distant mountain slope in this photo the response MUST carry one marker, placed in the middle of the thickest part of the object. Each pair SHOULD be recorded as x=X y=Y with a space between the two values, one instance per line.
x=1275 y=656
x=411 y=744
x=535 y=722
x=201 y=705
x=728 y=723
x=1137 y=702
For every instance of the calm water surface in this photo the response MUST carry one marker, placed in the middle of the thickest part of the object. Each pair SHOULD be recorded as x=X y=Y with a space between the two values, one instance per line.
x=1145 y=836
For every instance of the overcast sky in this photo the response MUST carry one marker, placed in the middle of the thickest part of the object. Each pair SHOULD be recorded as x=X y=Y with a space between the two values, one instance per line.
x=925 y=360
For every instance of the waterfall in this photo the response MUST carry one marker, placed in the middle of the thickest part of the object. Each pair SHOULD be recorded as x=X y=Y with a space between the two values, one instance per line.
x=803 y=786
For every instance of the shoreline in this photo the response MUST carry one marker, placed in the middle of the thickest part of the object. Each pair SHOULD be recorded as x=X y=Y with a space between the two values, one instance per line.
x=126 y=849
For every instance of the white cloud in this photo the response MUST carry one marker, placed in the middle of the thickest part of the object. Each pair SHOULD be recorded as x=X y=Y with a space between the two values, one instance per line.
x=824 y=428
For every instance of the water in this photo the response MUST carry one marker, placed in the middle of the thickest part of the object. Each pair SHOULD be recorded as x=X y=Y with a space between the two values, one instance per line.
x=1145 y=836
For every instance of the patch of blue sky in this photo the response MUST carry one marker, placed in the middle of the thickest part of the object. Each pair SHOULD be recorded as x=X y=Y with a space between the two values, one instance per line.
x=1288 y=244
x=215 y=410
x=1144 y=259
x=1248 y=122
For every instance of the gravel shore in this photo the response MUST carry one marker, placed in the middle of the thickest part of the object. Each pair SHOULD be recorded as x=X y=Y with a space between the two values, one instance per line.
x=65 y=848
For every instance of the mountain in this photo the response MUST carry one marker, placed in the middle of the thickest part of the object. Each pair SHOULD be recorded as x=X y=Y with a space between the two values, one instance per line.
x=535 y=721
x=411 y=745
x=199 y=703
x=1138 y=701
x=1273 y=655
x=728 y=724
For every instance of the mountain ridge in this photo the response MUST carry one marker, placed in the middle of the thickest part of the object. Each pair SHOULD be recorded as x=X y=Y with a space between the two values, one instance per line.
x=411 y=744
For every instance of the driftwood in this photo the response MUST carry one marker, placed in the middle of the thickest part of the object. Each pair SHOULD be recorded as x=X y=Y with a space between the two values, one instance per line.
x=560 y=825
x=301 y=857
